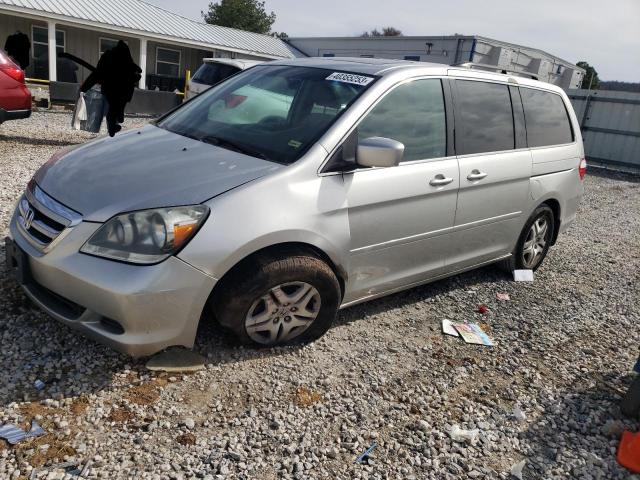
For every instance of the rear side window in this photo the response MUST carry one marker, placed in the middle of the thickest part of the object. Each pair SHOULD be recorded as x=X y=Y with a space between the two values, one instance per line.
x=413 y=114
x=484 y=120
x=546 y=117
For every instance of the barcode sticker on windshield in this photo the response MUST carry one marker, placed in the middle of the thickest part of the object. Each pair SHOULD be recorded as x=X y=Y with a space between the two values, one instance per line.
x=350 y=78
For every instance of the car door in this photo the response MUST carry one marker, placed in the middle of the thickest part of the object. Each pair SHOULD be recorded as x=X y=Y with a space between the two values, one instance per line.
x=400 y=217
x=495 y=169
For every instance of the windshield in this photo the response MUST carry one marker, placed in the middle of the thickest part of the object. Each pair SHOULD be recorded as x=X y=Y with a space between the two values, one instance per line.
x=270 y=112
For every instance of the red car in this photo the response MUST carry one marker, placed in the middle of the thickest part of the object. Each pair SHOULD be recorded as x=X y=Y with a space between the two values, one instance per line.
x=15 y=98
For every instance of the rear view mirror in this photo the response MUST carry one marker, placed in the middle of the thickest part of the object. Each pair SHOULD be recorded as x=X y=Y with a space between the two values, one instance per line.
x=379 y=152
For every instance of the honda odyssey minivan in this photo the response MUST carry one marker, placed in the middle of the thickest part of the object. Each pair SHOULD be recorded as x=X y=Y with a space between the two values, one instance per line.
x=294 y=189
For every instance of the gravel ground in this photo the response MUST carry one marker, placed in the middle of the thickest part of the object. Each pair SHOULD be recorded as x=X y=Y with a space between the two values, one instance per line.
x=384 y=373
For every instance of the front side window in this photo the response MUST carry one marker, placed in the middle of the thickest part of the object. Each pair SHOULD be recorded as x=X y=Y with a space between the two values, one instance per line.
x=271 y=112
x=167 y=62
x=414 y=115
x=546 y=118
x=484 y=119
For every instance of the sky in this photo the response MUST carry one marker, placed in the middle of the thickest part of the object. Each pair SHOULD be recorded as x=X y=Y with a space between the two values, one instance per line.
x=605 y=34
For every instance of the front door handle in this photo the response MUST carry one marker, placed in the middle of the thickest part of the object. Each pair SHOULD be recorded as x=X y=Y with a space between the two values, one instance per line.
x=476 y=175
x=440 y=180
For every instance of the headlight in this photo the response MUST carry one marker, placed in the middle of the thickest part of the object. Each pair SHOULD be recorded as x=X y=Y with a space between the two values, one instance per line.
x=146 y=236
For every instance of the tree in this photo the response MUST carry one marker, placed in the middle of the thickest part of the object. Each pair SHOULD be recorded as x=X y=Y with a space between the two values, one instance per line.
x=386 y=32
x=249 y=15
x=590 y=79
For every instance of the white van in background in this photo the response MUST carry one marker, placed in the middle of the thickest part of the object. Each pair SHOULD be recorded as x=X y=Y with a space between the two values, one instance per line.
x=214 y=70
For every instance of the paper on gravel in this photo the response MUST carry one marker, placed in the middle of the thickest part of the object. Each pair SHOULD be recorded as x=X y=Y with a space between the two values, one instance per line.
x=523 y=275
x=449 y=329
x=458 y=434
x=473 y=333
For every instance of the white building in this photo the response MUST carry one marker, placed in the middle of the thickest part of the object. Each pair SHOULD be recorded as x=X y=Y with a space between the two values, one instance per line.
x=449 y=50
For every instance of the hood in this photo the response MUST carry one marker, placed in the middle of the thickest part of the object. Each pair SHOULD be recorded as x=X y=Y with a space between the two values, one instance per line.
x=146 y=168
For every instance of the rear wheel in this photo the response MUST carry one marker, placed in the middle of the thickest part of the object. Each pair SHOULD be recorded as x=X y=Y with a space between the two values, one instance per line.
x=535 y=239
x=278 y=300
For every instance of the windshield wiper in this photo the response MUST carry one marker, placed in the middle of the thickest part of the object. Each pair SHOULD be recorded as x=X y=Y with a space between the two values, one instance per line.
x=231 y=145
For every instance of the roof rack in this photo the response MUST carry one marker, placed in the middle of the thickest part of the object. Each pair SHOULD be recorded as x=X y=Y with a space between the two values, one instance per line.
x=494 y=68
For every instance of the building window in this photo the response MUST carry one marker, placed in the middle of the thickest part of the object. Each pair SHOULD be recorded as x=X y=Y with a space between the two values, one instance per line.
x=413 y=58
x=167 y=62
x=328 y=54
x=40 y=46
x=107 y=44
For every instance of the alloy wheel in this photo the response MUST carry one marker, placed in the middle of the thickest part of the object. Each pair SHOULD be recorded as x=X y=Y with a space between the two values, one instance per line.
x=534 y=245
x=283 y=313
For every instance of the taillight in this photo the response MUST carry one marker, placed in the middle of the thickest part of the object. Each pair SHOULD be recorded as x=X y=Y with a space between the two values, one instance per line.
x=582 y=168
x=10 y=68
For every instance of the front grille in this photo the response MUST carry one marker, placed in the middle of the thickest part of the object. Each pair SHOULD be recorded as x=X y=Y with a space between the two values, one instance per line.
x=43 y=220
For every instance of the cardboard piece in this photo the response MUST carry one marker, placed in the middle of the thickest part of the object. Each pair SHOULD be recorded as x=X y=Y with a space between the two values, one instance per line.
x=473 y=333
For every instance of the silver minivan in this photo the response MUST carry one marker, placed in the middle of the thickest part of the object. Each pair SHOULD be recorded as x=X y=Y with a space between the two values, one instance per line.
x=294 y=189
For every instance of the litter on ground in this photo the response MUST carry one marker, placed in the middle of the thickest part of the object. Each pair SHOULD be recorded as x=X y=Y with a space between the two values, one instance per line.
x=39 y=384
x=482 y=309
x=13 y=434
x=523 y=275
x=473 y=333
x=629 y=451
x=449 y=329
x=460 y=435
x=516 y=469
x=366 y=453
x=503 y=297
x=176 y=360
x=68 y=468
x=519 y=414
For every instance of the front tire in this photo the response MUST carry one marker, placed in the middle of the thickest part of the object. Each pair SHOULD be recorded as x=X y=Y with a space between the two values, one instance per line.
x=278 y=300
x=535 y=239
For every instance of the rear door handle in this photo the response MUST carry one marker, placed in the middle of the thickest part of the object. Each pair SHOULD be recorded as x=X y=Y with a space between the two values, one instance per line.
x=440 y=180
x=476 y=175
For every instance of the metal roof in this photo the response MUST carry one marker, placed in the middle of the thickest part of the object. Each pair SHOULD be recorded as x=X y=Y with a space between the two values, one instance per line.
x=138 y=17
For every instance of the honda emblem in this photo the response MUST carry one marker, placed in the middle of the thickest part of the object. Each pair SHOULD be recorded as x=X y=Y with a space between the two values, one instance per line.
x=28 y=218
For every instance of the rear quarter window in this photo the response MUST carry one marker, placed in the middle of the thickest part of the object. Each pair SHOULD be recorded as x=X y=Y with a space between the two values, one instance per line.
x=546 y=118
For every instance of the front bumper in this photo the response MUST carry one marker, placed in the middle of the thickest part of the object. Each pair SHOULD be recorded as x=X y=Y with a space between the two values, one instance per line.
x=137 y=310
x=13 y=114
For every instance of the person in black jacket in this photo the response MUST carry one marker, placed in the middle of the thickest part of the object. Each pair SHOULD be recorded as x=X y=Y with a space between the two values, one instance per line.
x=117 y=75
x=17 y=46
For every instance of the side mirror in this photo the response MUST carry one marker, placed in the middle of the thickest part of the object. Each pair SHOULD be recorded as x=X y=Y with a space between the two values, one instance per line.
x=379 y=152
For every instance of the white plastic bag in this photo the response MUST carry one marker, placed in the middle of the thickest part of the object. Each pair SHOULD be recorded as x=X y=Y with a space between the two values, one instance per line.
x=80 y=112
